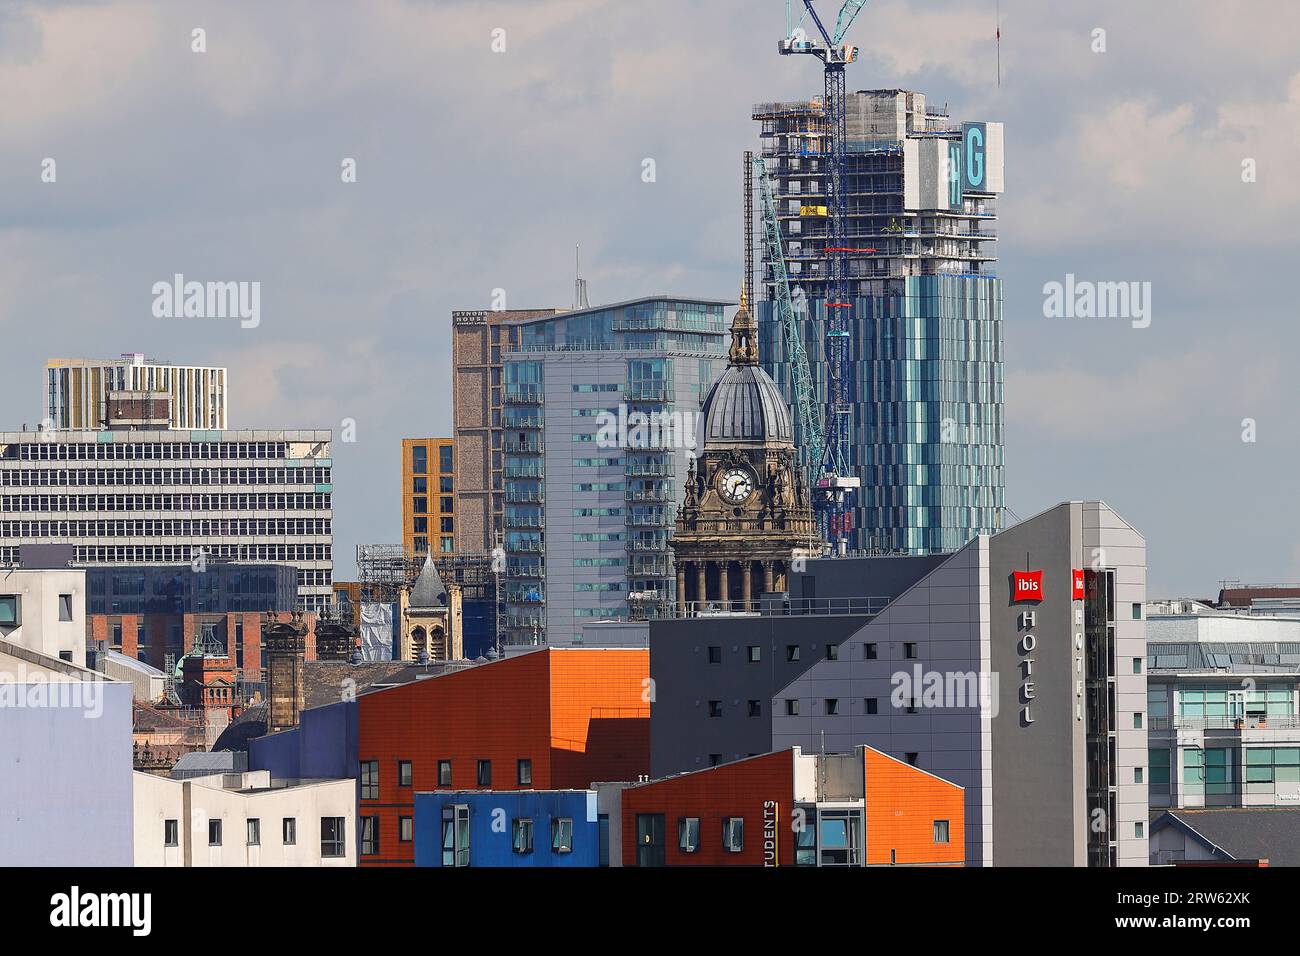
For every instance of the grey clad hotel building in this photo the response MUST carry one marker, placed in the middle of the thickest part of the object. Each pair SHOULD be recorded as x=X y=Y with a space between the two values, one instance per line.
x=1014 y=667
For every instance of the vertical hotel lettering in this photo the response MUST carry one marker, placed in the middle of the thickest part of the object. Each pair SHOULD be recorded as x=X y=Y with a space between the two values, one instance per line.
x=1076 y=594
x=1027 y=586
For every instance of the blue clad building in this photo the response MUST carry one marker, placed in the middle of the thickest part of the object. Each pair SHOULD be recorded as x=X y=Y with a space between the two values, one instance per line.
x=926 y=346
x=507 y=828
x=323 y=746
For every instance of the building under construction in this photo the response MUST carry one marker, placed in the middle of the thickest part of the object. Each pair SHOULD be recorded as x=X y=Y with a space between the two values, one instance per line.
x=384 y=569
x=925 y=343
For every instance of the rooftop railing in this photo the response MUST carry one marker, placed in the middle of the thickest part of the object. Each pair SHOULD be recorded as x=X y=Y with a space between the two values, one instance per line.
x=790 y=607
x=1275 y=722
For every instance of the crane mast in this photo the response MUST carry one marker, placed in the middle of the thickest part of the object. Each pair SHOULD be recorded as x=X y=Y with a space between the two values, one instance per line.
x=836 y=485
x=802 y=392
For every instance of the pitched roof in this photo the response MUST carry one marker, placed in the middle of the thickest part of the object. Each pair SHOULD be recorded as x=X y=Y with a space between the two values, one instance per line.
x=1241 y=834
x=149 y=718
x=429 y=590
x=201 y=763
x=323 y=683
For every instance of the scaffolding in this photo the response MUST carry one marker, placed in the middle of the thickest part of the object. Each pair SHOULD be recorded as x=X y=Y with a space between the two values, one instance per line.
x=384 y=569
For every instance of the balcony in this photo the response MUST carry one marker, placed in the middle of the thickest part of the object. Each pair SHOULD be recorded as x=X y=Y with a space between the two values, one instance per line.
x=522 y=622
x=524 y=394
x=529 y=446
x=525 y=597
x=651 y=495
x=651 y=518
x=648 y=391
x=525 y=521
x=650 y=566
x=530 y=546
x=526 y=572
x=1285 y=722
x=524 y=469
x=519 y=496
x=648 y=469
x=517 y=421
x=649 y=544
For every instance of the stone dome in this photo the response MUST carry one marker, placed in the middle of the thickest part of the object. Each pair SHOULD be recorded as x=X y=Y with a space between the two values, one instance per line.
x=745 y=406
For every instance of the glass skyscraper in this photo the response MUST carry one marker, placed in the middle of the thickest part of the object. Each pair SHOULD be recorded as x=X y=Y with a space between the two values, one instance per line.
x=599 y=413
x=926 y=346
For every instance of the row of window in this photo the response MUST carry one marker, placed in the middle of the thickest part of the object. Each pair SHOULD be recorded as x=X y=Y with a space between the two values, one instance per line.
x=521 y=835
x=420 y=459
x=11 y=609
x=830 y=707
x=405 y=775
x=793 y=652
x=94 y=477
x=332 y=834
x=446 y=544
x=26 y=504
x=733 y=834
x=168 y=528
x=56 y=450
x=1216 y=769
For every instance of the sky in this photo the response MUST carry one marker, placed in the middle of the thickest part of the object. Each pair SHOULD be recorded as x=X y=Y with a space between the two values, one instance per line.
x=490 y=137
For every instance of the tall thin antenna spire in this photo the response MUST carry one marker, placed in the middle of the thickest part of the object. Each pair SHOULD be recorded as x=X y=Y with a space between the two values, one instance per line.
x=579 y=283
x=999 y=44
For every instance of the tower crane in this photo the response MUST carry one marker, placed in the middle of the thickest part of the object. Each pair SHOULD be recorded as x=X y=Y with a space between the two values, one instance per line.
x=836 y=485
x=802 y=393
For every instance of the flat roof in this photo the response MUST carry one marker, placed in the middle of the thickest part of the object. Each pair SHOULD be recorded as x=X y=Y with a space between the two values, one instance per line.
x=662 y=297
x=91 y=436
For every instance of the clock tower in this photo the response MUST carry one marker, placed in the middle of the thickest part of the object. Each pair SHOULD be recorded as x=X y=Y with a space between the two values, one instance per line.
x=745 y=516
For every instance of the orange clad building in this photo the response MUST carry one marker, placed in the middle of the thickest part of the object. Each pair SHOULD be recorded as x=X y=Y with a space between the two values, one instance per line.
x=546 y=720
x=790 y=808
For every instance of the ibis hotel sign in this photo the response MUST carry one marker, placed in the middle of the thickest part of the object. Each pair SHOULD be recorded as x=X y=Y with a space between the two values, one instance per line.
x=1026 y=586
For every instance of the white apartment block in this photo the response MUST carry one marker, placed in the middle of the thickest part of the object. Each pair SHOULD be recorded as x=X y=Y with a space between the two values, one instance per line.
x=45 y=611
x=77 y=390
x=244 y=819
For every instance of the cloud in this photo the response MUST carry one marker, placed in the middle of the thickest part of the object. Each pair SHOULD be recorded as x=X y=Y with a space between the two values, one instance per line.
x=1184 y=394
x=480 y=170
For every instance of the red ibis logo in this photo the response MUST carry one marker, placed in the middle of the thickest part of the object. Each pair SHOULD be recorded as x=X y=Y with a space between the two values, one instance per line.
x=1076 y=585
x=1026 y=586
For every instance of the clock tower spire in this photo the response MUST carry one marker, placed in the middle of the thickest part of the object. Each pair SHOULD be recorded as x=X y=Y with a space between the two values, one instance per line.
x=745 y=515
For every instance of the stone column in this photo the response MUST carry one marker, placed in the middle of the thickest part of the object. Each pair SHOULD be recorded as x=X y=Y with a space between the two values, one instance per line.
x=724 y=591
x=681 y=589
x=701 y=580
x=747 y=583
x=767 y=576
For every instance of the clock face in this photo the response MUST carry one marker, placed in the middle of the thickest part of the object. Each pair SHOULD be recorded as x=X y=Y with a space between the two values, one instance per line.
x=736 y=485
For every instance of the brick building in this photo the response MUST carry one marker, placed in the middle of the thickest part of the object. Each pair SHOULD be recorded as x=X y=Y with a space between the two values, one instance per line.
x=478 y=339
